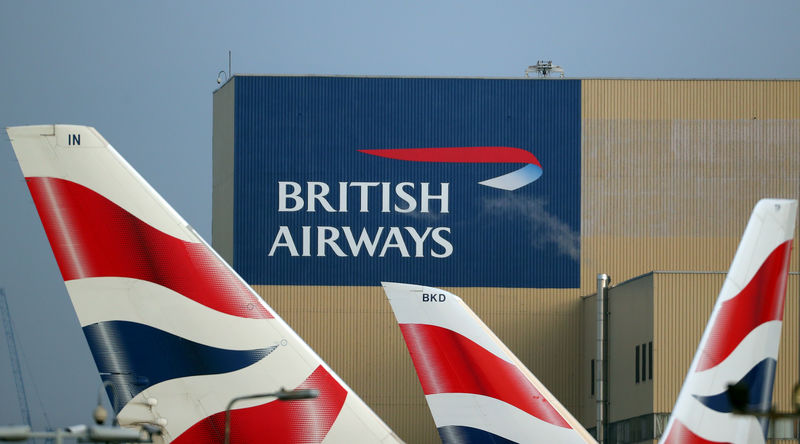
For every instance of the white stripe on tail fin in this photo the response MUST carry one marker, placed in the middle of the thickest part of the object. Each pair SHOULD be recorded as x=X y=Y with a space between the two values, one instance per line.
x=477 y=390
x=171 y=326
x=740 y=343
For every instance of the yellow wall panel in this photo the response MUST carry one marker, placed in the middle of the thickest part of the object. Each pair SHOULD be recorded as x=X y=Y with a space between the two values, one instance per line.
x=642 y=99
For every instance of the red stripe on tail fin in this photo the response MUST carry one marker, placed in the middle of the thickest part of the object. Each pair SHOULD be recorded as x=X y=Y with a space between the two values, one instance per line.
x=93 y=237
x=447 y=362
x=301 y=421
x=759 y=302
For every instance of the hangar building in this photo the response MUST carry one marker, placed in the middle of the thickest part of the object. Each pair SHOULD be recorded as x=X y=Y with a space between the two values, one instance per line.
x=649 y=181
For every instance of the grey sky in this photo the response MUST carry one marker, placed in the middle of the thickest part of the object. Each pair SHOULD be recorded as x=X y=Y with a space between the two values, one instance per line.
x=143 y=73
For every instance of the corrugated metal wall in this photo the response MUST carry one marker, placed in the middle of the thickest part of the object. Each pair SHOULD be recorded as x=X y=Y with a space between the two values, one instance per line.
x=672 y=169
x=670 y=172
x=641 y=99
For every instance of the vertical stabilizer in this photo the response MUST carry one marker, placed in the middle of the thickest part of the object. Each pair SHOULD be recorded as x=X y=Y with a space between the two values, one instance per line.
x=176 y=334
x=477 y=390
x=740 y=343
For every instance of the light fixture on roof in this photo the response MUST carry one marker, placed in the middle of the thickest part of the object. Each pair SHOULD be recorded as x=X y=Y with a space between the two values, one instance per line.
x=544 y=69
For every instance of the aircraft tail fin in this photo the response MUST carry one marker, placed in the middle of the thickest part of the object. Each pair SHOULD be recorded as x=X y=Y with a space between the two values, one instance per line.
x=741 y=340
x=176 y=334
x=476 y=389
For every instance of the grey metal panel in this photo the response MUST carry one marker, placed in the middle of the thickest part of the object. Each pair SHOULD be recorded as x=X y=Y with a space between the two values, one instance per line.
x=630 y=325
x=222 y=143
x=586 y=409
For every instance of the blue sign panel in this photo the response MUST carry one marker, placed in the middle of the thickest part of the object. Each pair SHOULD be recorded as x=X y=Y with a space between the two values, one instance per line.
x=446 y=182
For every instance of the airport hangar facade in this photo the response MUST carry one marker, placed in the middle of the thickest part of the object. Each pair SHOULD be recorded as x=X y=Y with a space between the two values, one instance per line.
x=649 y=181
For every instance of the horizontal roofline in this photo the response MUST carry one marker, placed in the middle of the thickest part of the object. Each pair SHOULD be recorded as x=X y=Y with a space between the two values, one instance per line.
x=677 y=79
x=686 y=272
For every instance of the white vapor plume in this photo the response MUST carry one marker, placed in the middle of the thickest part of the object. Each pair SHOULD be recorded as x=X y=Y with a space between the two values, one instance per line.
x=545 y=228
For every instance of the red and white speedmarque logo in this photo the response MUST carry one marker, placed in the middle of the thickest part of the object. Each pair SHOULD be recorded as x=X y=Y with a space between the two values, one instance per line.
x=478 y=154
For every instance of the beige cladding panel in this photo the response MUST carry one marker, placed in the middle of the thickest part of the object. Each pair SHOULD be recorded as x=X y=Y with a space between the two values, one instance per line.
x=690 y=99
x=788 y=371
x=660 y=172
x=682 y=306
x=670 y=187
x=354 y=331
x=624 y=258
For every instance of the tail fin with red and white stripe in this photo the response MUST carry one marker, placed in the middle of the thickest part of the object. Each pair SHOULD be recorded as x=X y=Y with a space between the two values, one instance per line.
x=476 y=389
x=174 y=331
x=741 y=339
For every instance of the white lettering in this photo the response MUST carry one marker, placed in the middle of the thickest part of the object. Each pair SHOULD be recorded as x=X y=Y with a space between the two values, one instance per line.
x=317 y=192
x=407 y=198
x=284 y=239
x=363 y=240
x=364 y=194
x=437 y=237
x=306 y=241
x=343 y=197
x=386 y=196
x=327 y=236
x=403 y=197
x=324 y=239
x=443 y=198
x=294 y=195
x=418 y=240
x=396 y=235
